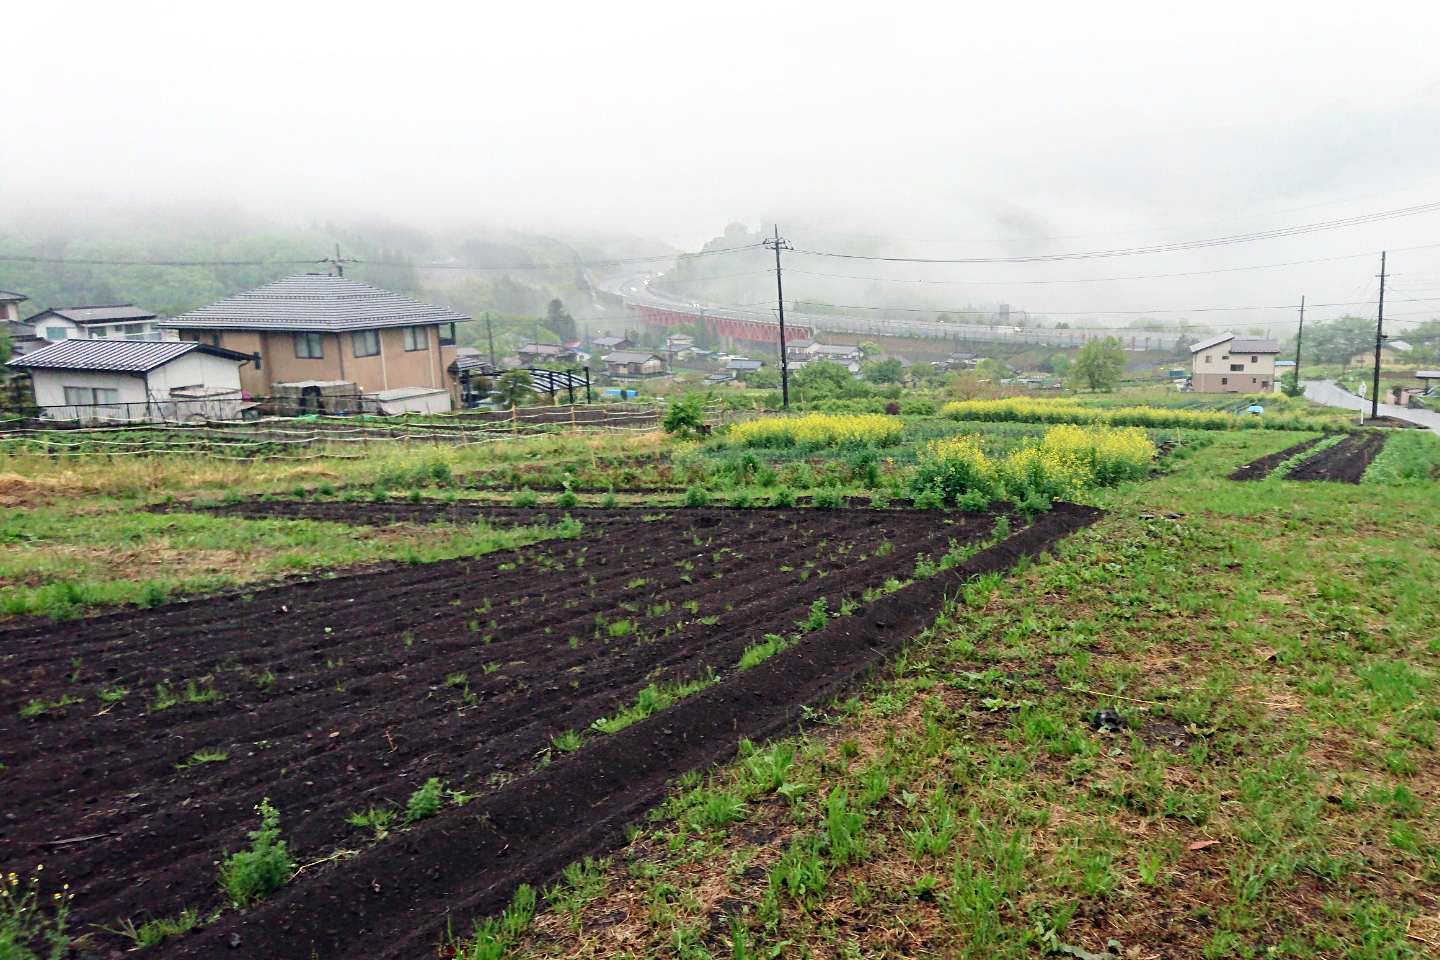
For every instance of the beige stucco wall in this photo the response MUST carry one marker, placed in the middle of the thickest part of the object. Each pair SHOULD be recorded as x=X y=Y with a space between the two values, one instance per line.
x=394 y=367
x=1211 y=366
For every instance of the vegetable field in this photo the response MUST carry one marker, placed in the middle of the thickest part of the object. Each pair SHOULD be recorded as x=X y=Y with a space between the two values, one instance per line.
x=141 y=743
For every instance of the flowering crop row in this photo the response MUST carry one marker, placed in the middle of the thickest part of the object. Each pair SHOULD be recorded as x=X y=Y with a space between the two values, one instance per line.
x=1056 y=410
x=814 y=431
x=1061 y=464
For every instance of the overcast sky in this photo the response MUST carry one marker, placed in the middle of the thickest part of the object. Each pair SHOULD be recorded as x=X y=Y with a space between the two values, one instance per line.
x=955 y=129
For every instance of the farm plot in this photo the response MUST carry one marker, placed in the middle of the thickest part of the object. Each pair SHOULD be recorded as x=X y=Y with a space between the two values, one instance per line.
x=1345 y=462
x=1261 y=468
x=137 y=745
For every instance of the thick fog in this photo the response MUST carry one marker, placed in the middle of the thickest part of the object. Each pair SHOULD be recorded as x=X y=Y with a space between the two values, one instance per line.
x=913 y=130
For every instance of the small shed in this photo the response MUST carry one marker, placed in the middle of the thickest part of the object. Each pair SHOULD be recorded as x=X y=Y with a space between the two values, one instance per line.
x=608 y=343
x=134 y=380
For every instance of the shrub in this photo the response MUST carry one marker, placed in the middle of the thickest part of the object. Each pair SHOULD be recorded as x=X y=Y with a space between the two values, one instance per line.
x=814 y=431
x=686 y=416
x=525 y=498
x=248 y=875
x=566 y=500
x=828 y=498
x=697 y=496
x=784 y=497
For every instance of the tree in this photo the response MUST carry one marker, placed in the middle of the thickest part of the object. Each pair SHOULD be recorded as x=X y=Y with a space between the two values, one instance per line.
x=515 y=388
x=889 y=370
x=1060 y=365
x=1288 y=386
x=1338 y=341
x=558 y=320
x=1099 y=365
x=766 y=378
x=685 y=416
x=4 y=346
x=926 y=373
x=824 y=378
x=868 y=348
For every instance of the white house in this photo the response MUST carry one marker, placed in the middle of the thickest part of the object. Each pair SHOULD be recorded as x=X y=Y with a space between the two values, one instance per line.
x=135 y=380
x=1231 y=364
x=117 y=321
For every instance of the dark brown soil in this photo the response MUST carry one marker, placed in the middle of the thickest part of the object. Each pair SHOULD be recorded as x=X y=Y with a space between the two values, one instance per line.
x=347 y=692
x=396 y=899
x=1262 y=468
x=1345 y=462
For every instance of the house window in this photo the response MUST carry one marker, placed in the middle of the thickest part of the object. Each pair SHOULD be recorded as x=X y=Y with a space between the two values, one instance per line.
x=447 y=335
x=1237 y=367
x=79 y=396
x=366 y=342
x=1254 y=359
x=417 y=338
x=1208 y=358
x=309 y=346
x=1224 y=381
x=104 y=395
x=214 y=339
x=54 y=333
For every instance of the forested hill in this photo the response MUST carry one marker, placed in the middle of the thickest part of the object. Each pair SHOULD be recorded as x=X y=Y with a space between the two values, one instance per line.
x=511 y=273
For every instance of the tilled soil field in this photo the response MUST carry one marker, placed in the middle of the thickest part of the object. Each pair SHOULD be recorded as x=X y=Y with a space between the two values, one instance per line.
x=338 y=694
x=1345 y=462
x=1263 y=467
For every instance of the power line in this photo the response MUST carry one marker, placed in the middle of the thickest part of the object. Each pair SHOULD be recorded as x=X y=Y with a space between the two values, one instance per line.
x=1089 y=313
x=376 y=263
x=1279 y=232
x=1151 y=276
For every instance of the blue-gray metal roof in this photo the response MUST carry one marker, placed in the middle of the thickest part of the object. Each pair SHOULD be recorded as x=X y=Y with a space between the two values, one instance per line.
x=7 y=297
x=115 y=356
x=104 y=313
x=314 y=302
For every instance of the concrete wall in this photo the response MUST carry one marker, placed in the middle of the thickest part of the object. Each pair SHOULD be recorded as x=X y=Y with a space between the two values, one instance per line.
x=1211 y=373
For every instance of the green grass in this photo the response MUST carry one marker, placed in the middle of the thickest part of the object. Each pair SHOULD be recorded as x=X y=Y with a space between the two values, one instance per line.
x=1409 y=456
x=62 y=563
x=1274 y=791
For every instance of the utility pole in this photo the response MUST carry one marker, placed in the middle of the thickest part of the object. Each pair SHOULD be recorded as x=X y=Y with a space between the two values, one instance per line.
x=490 y=336
x=777 y=244
x=1298 y=335
x=338 y=262
x=1379 y=339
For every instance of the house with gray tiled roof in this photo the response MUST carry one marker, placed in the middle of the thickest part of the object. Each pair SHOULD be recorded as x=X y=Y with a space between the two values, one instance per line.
x=113 y=321
x=91 y=379
x=318 y=328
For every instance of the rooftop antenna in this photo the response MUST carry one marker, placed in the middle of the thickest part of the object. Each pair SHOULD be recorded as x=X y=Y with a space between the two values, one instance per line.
x=337 y=262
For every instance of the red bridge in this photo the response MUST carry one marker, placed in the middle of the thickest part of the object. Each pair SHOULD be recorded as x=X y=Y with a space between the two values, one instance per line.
x=756 y=331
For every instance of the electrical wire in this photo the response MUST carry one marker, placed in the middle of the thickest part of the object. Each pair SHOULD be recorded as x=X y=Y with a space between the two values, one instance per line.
x=1277 y=233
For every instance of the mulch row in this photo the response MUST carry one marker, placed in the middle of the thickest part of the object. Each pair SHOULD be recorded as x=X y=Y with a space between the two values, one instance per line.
x=1345 y=462
x=1264 y=466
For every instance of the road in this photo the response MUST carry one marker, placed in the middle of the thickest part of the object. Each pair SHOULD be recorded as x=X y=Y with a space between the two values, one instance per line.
x=1331 y=394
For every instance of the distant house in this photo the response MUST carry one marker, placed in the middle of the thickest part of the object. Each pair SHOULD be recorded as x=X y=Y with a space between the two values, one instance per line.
x=135 y=380
x=315 y=329
x=119 y=321
x=1231 y=364
x=536 y=354
x=740 y=366
x=629 y=363
x=607 y=344
x=470 y=372
x=23 y=338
